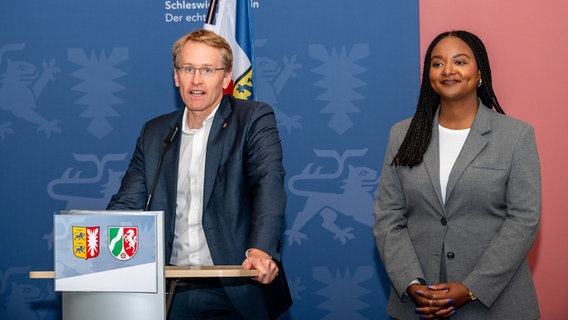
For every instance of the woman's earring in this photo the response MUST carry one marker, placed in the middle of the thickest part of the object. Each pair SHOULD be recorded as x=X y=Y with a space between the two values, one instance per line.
x=479 y=82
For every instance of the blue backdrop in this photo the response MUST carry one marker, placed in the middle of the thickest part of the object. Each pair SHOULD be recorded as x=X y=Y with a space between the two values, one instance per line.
x=79 y=78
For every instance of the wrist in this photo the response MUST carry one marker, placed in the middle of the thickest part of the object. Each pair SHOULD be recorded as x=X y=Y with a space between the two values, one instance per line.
x=412 y=287
x=257 y=252
x=471 y=297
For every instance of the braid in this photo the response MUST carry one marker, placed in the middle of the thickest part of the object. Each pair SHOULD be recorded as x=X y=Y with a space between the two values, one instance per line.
x=485 y=91
x=419 y=134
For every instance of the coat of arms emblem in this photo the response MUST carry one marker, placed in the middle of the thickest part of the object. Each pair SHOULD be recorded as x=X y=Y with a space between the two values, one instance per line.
x=123 y=242
x=86 y=242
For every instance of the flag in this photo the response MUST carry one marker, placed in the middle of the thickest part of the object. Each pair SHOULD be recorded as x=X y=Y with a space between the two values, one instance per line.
x=233 y=22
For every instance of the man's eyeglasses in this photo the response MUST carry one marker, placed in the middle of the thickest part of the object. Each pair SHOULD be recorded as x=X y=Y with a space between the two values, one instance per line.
x=204 y=71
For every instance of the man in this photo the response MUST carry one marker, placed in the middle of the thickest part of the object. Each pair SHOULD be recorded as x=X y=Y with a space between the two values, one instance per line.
x=221 y=187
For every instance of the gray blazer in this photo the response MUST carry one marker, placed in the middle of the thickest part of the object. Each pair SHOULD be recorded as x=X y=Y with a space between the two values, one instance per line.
x=485 y=229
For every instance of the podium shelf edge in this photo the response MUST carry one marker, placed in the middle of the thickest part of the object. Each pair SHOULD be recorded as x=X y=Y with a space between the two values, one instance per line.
x=42 y=274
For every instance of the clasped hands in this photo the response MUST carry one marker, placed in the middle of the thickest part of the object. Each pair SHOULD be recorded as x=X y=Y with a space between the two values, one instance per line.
x=439 y=300
x=261 y=261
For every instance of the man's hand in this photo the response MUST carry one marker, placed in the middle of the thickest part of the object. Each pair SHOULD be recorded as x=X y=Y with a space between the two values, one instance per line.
x=261 y=261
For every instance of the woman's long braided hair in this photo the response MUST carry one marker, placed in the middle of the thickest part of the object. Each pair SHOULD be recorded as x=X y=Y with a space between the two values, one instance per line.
x=417 y=139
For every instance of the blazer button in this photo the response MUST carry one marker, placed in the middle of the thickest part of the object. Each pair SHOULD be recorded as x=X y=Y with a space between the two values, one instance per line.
x=451 y=255
x=444 y=221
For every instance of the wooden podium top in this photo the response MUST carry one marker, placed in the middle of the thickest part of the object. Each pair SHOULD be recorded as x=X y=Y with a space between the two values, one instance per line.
x=208 y=271
x=181 y=272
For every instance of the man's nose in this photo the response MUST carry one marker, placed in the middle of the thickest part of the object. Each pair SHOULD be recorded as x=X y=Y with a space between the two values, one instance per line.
x=196 y=77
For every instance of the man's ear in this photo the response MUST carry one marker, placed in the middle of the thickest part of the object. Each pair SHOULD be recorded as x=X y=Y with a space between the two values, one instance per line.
x=227 y=79
x=176 y=78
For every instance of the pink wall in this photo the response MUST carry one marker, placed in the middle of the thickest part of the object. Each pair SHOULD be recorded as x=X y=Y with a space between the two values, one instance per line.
x=527 y=43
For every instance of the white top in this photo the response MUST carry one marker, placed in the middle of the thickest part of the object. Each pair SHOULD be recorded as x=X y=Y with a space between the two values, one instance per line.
x=451 y=143
x=190 y=246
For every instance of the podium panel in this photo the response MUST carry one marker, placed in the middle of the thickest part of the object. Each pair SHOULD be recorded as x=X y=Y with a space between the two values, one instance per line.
x=110 y=264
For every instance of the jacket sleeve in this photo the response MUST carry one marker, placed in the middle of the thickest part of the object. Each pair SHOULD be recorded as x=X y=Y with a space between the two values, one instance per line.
x=265 y=181
x=509 y=248
x=132 y=194
x=390 y=229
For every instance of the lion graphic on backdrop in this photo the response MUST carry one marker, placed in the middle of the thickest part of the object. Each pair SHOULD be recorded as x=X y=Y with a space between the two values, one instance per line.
x=72 y=177
x=20 y=87
x=355 y=201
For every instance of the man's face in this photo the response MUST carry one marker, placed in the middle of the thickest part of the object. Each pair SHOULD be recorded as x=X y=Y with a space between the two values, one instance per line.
x=199 y=91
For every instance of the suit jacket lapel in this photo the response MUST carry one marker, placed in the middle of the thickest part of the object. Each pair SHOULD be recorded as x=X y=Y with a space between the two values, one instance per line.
x=170 y=163
x=215 y=147
x=432 y=160
x=473 y=145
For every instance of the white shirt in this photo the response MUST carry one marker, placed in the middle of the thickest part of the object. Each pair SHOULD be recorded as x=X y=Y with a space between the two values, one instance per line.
x=190 y=246
x=451 y=143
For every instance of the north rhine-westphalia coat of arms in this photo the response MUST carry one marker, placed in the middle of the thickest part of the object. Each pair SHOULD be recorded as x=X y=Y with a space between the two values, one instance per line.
x=123 y=242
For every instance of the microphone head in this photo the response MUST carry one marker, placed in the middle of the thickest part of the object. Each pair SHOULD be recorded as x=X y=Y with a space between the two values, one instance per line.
x=170 y=137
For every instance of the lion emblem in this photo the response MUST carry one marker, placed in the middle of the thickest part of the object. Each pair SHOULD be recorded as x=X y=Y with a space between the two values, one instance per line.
x=355 y=201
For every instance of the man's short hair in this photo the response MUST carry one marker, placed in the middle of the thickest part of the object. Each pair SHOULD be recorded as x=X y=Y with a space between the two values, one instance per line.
x=209 y=38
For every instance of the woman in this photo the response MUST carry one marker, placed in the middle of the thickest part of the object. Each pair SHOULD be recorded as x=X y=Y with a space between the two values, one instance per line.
x=458 y=204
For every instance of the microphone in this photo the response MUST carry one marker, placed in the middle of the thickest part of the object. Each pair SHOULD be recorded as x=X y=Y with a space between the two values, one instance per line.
x=171 y=135
x=169 y=138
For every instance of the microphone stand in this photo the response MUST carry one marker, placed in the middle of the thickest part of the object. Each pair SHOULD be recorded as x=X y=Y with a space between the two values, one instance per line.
x=167 y=141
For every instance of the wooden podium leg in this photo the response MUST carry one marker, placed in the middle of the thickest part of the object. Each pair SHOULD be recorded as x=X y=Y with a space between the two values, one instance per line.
x=170 y=295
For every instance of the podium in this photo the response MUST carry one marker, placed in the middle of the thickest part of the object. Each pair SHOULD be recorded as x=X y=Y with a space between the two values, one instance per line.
x=110 y=265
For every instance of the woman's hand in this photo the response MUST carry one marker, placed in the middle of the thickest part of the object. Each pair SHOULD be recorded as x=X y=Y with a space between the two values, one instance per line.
x=438 y=300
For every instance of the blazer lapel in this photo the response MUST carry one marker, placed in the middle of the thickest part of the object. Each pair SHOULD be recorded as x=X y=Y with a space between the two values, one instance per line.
x=170 y=163
x=473 y=145
x=215 y=147
x=432 y=160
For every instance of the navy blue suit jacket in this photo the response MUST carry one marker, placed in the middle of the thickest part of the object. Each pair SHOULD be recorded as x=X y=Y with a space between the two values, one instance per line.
x=244 y=195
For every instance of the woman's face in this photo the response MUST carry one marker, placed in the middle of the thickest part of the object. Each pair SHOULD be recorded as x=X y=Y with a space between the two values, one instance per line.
x=453 y=70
